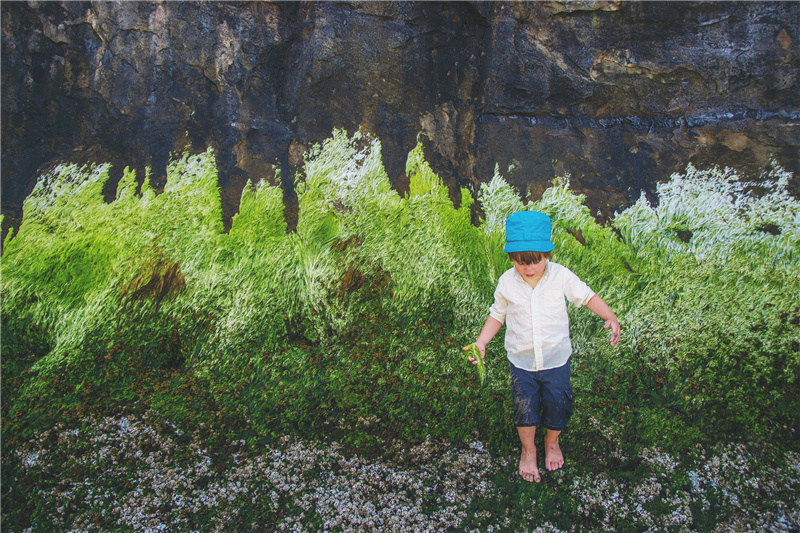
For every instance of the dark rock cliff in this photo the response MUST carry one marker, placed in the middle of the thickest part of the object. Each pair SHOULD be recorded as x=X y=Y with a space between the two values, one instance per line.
x=617 y=94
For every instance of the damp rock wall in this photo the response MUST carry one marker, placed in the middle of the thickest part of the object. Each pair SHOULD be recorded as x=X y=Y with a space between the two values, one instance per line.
x=619 y=95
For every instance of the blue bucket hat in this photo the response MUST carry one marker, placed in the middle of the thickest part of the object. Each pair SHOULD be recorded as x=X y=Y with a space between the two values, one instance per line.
x=528 y=231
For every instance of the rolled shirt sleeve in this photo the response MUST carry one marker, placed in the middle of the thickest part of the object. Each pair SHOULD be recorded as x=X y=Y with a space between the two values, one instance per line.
x=498 y=309
x=576 y=290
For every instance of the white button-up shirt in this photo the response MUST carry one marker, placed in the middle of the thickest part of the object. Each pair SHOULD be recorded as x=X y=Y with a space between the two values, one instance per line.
x=537 y=325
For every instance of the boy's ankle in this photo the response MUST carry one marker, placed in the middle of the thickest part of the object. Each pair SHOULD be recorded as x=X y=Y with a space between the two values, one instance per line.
x=551 y=438
x=528 y=451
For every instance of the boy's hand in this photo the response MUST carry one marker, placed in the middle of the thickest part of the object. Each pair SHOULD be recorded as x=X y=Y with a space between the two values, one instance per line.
x=616 y=331
x=476 y=355
x=481 y=347
x=597 y=306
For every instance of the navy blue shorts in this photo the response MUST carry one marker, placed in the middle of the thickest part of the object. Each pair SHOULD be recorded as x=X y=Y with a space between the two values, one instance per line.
x=542 y=398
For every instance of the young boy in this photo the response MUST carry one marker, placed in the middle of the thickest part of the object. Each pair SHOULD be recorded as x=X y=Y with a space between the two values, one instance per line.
x=530 y=299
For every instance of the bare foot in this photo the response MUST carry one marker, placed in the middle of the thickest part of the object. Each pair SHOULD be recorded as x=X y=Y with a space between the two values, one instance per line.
x=527 y=467
x=553 y=458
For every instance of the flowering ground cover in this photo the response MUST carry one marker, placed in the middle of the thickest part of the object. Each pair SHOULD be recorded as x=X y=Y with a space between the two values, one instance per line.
x=138 y=473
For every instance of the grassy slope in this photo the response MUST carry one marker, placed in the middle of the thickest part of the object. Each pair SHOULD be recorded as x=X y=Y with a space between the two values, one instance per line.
x=144 y=305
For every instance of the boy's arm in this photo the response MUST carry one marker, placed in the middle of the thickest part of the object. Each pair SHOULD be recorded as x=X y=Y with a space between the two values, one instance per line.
x=490 y=329
x=597 y=306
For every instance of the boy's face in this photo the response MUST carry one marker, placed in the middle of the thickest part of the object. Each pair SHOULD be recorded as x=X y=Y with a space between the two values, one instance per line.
x=529 y=271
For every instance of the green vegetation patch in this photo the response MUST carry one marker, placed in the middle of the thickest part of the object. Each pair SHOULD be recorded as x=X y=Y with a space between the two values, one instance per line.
x=351 y=326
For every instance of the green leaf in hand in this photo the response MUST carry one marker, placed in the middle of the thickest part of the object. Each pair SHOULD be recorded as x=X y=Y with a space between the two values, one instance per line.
x=473 y=351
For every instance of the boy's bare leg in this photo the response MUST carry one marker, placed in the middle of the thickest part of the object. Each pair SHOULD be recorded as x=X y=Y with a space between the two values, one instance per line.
x=553 y=458
x=527 y=461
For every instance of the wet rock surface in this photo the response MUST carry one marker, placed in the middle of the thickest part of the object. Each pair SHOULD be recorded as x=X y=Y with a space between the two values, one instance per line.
x=123 y=473
x=617 y=94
